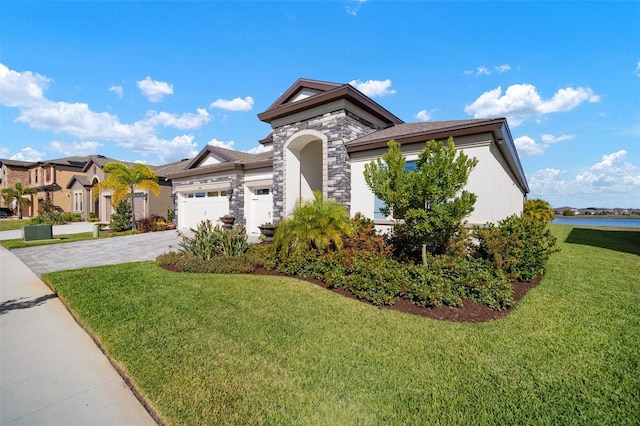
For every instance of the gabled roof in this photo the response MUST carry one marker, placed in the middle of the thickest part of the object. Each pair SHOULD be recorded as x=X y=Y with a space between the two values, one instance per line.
x=82 y=179
x=234 y=160
x=100 y=161
x=325 y=92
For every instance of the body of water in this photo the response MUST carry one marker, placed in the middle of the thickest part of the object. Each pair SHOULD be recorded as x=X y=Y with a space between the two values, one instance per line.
x=592 y=221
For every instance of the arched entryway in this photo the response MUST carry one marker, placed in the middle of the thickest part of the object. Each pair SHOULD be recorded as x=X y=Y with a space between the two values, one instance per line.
x=304 y=167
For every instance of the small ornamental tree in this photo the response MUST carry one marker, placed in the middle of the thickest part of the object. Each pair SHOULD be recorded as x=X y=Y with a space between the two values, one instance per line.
x=539 y=209
x=430 y=199
x=124 y=181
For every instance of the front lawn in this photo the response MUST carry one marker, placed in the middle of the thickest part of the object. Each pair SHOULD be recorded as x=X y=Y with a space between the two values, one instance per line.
x=62 y=238
x=205 y=348
x=11 y=224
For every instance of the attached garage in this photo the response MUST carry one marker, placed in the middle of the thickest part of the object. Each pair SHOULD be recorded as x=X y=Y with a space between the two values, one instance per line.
x=197 y=206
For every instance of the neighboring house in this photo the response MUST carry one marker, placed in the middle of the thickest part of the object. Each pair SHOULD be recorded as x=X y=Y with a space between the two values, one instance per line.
x=146 y=204
x=13 y=171
x=50 y=179
x=323 y=135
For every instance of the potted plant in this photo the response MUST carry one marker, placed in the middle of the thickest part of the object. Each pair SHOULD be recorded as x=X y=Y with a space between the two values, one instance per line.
x=227 y=221
x=268 y=230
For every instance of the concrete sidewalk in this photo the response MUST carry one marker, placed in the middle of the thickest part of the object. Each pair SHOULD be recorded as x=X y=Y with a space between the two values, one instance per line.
x=51 y=372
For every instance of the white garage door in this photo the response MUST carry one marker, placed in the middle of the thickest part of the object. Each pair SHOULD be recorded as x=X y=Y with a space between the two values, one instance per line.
x=202 y=205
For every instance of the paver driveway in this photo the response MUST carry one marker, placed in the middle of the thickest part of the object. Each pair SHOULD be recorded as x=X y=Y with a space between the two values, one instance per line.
x=104 y=251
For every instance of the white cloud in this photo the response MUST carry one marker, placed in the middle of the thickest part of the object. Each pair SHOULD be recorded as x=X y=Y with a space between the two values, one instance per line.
x=4 y=152
x=501 y=69
x=186 y=121
x=423 y=115
x=118 y=90
x=221 y=144
x=528 y=146
x=28 y=154
x=176 y=149
x=612 y=182
x=482 y=70
x=237 y=104
x=521 y=101
x=21 y=89
x=259 y=149
x=637 y=71
x=548 y=139
x=155 y=90
x=468 y=72
x=74 y=148
x=373 y=88
x=353 y=6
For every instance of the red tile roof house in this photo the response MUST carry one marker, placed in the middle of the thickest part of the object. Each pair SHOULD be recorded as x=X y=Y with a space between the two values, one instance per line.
x=322 y=136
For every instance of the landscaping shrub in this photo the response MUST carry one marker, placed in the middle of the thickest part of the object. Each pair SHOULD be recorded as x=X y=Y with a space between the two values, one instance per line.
x=121 y=219
x=93 y=218
x=372 y=277
x=365 y=238
x=71 y=217
x=49 y=217
x=244 y=263
x=316 y=224
x=209 y=241
x=519 y=246
x=145 y=225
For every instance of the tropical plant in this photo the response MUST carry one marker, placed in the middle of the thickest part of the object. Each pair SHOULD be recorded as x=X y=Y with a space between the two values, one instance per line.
x=318 y=224
x=17 y=195
x=539 y=209
x=430 y=199
x=124 y=181
x=211 y=240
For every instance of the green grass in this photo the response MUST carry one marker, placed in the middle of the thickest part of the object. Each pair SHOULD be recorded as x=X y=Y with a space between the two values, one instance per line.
x=58 y=239
x=11 y=224
x=207 y=349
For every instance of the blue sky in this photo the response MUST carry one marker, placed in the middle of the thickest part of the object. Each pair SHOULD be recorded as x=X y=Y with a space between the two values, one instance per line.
x=157 y=81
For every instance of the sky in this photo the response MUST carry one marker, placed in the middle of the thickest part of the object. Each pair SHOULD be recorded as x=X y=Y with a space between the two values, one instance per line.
x=155 y=82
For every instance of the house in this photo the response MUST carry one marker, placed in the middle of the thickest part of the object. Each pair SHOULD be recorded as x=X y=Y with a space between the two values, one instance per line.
x=48 y=178
x=81 y=188
x=322 y=136
x=12 y=172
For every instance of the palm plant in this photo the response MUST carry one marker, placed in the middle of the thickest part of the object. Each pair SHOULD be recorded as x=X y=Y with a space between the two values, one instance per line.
x=17 y=194
x=316 y=224
x=539 y=209
x=124 y=181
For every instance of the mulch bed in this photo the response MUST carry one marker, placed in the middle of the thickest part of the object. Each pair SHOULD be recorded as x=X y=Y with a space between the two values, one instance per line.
x=469 y=311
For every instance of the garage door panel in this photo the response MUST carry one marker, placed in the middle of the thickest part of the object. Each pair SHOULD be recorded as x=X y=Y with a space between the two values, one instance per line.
x=197 y=209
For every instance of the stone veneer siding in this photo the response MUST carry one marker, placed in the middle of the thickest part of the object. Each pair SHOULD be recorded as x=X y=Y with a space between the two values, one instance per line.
x=339 y=127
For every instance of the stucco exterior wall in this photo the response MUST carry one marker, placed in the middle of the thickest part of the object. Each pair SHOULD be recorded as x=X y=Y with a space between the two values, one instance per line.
x=491 y=180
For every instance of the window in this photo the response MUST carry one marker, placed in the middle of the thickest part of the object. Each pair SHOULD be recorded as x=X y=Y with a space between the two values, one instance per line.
x=48 y=174
x=262 y=191
x=35 y=173
x=212 y=194
x=77 y=201
x=223 y=193
x=200 y=194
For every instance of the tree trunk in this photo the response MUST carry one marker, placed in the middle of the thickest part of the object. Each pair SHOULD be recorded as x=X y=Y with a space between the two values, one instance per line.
x=424 y=254
x=133 y=212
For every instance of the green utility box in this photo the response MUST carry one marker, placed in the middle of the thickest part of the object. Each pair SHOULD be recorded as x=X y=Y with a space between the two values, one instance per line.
x=37 y=232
